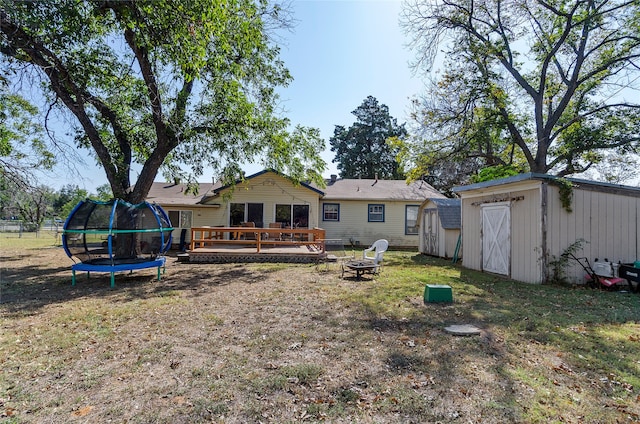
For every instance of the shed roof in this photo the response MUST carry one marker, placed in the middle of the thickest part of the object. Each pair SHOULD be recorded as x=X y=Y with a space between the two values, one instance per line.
x=449 y=212
x=577 y=183
x=372 y=189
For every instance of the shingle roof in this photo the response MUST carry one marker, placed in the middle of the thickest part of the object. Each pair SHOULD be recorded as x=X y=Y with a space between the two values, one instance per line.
x=339 y=189
x=174 y=194
x=371 y=189
x=450 y=213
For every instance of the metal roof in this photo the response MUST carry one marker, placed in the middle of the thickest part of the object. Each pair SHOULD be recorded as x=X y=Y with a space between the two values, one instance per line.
x=577 y=182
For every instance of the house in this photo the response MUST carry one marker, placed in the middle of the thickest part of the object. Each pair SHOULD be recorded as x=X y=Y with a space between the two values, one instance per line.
x=361 y=211
x=357 y=211
x=519 y=225
x=439 y=223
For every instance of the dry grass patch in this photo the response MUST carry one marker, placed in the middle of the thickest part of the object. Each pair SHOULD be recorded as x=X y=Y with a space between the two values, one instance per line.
x=287 y=343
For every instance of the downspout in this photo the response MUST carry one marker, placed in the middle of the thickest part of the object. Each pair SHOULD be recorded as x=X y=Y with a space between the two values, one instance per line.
x=544 y=259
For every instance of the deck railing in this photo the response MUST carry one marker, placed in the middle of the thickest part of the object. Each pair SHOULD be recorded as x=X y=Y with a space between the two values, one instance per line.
x=202 y=237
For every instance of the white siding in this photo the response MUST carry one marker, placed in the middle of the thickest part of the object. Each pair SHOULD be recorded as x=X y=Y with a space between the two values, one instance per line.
x=202 y=216
x=271 y=189
x=354 y=225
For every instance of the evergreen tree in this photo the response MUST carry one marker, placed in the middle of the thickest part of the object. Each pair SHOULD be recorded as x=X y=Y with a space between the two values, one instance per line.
x=363 y=150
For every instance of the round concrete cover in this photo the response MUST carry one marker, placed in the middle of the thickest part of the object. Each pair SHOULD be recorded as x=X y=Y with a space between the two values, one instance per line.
x=462 y=330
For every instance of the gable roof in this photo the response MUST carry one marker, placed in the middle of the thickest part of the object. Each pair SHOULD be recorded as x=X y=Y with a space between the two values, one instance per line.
x=380 y=190
x=264 y=171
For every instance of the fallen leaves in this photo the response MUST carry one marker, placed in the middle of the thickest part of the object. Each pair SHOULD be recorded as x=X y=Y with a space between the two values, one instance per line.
x=82 y=412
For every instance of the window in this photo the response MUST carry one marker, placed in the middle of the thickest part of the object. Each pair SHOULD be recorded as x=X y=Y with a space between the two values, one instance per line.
x=181 y=219
x=246 y=212
x=331 y=212
x=296 y=216
x=376 y=213
x=411 y=219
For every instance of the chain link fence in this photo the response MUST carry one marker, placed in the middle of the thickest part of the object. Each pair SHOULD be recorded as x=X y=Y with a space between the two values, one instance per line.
x=18 y=228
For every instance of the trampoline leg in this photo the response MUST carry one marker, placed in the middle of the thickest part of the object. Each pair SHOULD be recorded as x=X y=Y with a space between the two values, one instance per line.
x=73 y=277
x=113 y=280
x=88 y=275
x=158 y=273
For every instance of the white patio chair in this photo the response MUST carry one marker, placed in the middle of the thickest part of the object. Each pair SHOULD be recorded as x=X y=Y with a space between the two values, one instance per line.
x=376 y=252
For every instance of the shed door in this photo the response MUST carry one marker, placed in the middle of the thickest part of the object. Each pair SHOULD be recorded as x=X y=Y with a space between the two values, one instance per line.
x=430 y=221
x=496 y=238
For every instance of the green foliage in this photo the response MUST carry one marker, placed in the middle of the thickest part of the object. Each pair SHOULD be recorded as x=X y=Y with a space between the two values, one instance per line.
x=565 y=188
x=495 y=172
x=559 y=265
x=169 y=85
x=369 y=147
x=22 y=149
x=531 y=83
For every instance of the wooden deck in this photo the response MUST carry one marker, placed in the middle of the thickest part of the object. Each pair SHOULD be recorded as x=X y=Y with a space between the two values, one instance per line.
x=225 y=253
x=237 y=244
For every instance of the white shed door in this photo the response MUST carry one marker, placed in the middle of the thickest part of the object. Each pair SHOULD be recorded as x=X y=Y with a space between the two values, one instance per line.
x=430 y=232
x=496 y=238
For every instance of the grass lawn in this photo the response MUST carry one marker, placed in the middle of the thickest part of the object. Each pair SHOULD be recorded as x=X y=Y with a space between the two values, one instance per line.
x=285 y=343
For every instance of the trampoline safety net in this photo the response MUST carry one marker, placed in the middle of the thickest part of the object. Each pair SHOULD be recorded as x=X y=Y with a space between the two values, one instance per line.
x=116 y=232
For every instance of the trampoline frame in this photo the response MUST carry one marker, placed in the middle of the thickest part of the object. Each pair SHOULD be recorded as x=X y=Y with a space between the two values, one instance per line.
x=112 y=269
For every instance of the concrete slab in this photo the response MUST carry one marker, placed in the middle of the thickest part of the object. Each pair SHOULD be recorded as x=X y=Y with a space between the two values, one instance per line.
x=463 y=330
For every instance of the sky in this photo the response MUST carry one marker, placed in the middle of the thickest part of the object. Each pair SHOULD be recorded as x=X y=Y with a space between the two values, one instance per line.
x=339 y=52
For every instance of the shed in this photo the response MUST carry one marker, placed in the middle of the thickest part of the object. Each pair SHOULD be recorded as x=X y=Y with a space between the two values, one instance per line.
x=440 y=227
x=518 y=226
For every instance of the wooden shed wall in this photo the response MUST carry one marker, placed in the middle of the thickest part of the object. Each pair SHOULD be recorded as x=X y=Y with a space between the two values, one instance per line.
x=448 y=243
x=447 y=239
x=608 y=221
x=525 y=231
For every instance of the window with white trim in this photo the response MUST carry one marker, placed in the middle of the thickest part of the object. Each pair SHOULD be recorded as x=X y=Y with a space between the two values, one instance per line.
x=376 y=213
x=411 y=219
x=331 y=211
x=181 y=219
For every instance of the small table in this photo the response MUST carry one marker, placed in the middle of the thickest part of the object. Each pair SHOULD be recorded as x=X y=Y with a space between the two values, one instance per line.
x=359 y=267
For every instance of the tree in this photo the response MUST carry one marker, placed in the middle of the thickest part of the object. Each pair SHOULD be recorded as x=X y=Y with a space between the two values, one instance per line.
x=22 y=147
x=362 y=150
x=543 y=83
x=166 y=84
x=34 y=205
x=66 y=199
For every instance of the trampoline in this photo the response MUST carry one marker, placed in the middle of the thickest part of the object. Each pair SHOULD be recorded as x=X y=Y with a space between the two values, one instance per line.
x=116 y=236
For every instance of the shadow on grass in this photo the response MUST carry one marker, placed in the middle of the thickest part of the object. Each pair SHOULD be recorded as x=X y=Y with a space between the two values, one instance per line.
x=25 y=289
x=593 y=333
